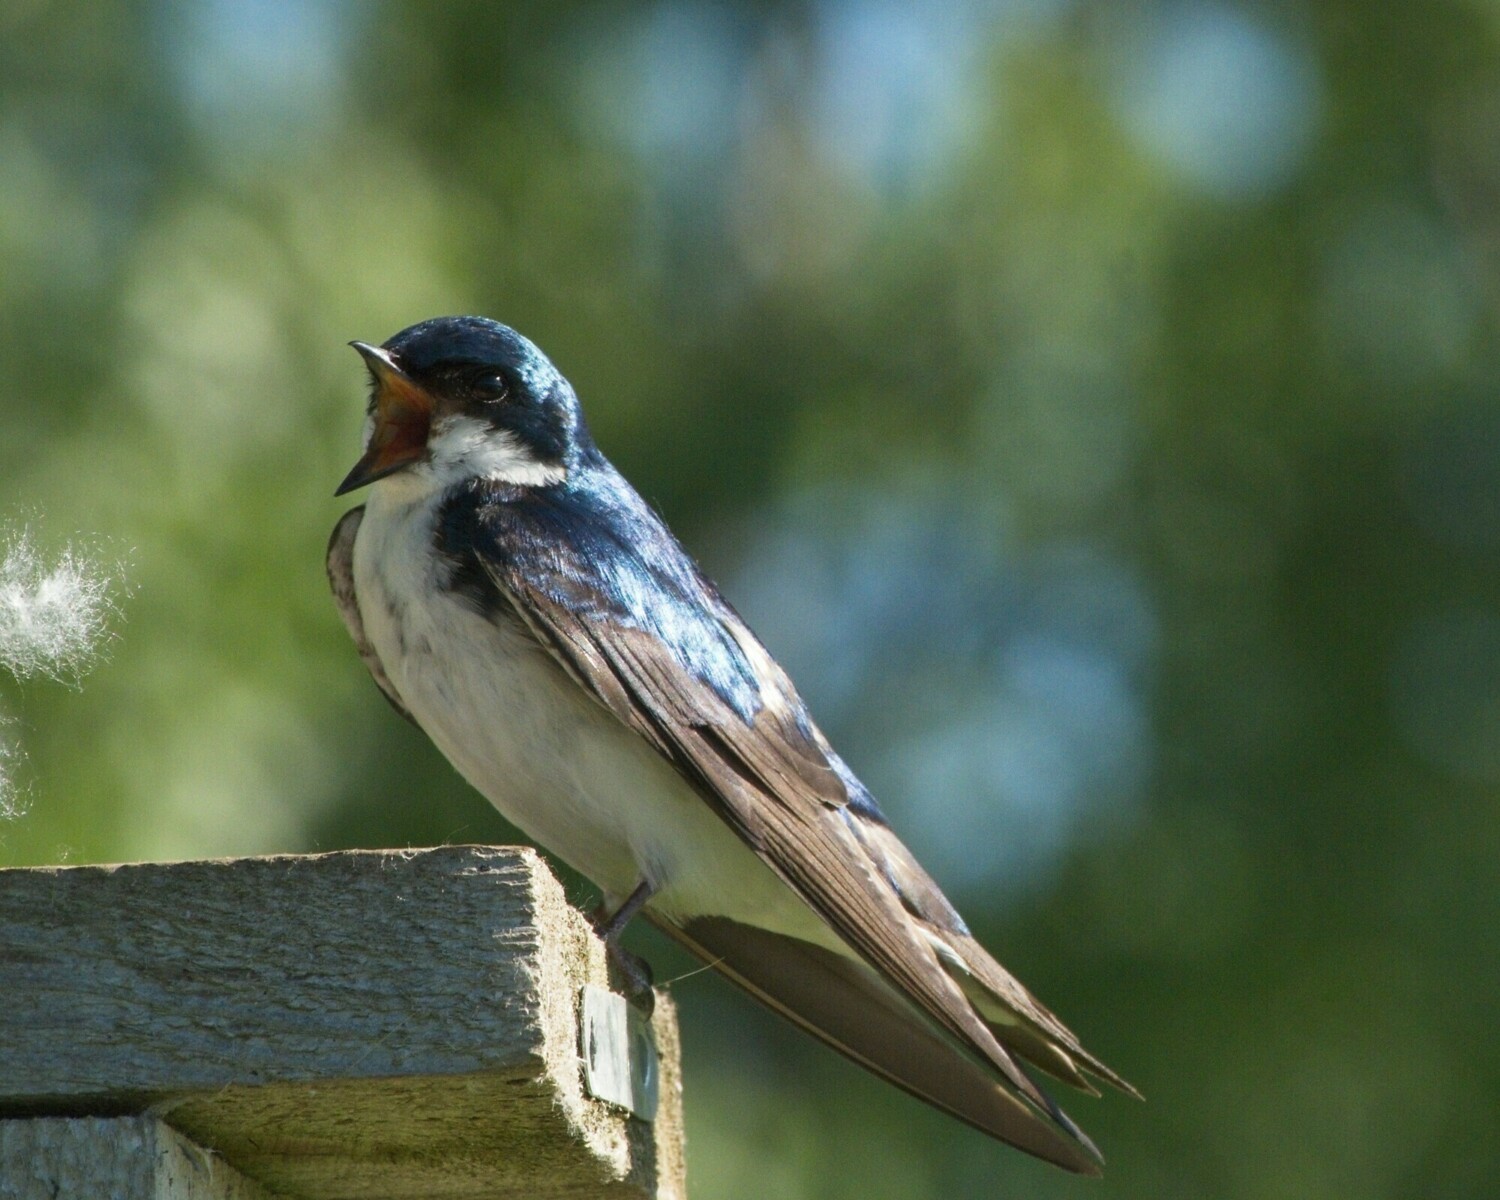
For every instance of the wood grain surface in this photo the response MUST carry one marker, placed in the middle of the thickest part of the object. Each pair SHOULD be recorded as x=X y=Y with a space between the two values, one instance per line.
x=361 y=1024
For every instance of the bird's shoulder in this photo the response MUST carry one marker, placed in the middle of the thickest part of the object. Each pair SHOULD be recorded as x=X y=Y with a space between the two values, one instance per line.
x=593 y=551
x=604 y=585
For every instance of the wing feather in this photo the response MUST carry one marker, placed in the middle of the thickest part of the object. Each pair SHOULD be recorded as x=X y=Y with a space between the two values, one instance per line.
x=604 y=587
x=340 y=564
x=749 y=769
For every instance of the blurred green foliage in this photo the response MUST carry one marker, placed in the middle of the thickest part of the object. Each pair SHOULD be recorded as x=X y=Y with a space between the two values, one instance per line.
x=1094 y=402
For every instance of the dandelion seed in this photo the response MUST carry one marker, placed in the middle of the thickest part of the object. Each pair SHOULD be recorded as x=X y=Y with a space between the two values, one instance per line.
x=54 y=618
x=53 y=615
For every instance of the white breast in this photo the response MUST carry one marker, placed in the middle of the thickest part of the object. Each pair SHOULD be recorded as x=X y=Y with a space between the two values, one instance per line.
x=553 y=760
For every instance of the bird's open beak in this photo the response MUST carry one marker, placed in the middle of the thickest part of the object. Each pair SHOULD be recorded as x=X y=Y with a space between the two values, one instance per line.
x=403 y=415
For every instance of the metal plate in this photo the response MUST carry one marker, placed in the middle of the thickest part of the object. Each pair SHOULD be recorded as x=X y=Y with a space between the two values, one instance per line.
x=619 y=1052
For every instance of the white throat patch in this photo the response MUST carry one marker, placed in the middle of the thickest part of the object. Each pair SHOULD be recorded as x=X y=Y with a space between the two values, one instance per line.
x=463 y=447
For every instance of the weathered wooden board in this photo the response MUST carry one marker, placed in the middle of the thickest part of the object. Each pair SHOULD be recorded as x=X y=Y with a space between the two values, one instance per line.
x=361 y=1024
x=122 y=1158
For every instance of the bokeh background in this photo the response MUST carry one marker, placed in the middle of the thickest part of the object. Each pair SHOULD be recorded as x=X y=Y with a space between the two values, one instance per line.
x=1092 y=402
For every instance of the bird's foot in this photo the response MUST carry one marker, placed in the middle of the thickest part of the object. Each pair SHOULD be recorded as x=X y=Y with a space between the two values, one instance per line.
x=632 y=970
x=632 y=974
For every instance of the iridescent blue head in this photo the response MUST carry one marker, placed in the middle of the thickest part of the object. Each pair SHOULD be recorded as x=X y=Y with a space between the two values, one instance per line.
x=459 y=397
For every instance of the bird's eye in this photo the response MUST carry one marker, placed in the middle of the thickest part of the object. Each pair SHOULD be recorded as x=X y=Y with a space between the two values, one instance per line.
x=491 y=385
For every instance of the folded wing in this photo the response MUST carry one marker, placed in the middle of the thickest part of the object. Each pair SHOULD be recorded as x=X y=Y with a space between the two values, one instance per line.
x=927 y=1007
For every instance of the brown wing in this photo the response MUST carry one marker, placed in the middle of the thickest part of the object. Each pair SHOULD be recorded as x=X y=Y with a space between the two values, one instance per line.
x=769 y=778
x=1022 y=1023
x=340 y=564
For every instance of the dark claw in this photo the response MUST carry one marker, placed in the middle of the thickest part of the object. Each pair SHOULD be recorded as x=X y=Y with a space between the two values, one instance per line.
x=633 y=972
x=633 y=975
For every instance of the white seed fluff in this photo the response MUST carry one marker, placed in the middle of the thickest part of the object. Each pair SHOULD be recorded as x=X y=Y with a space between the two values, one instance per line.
x=53 y=613
x=54 y=616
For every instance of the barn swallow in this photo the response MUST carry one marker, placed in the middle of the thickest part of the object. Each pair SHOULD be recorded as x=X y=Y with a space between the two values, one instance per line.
x=516 y=599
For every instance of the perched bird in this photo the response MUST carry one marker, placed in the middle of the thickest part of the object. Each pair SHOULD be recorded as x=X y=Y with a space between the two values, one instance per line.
x=516 y=598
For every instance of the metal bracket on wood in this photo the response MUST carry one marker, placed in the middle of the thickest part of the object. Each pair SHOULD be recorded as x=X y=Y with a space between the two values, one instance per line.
x=619 y=1052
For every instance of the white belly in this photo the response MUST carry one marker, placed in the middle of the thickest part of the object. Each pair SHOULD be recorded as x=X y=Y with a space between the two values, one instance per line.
x=553 y=760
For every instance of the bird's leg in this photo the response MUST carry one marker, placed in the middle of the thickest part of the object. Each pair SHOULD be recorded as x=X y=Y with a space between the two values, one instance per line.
x=614 y=925
x=633 y=970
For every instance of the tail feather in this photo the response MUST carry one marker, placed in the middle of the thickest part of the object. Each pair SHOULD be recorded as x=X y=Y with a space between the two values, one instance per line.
x=1020 y=1021
x=846 y=1005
